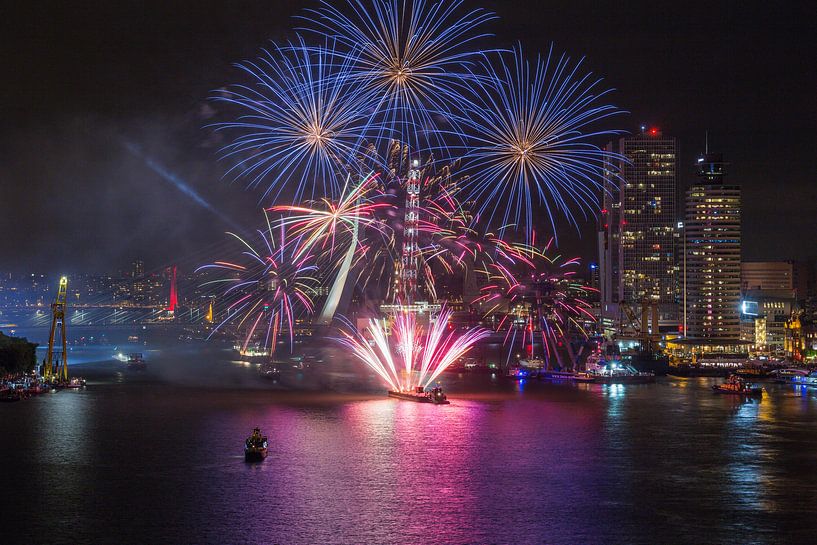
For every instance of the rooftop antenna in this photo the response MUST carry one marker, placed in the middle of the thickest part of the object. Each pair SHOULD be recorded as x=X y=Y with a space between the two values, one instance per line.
x=706 y=145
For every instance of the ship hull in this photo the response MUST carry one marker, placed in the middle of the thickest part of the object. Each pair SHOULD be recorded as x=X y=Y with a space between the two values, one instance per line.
x=624 y=379
x=255 y=455
x=565 y=376
x=746 y=392
x=649 y=363
x=417 y=398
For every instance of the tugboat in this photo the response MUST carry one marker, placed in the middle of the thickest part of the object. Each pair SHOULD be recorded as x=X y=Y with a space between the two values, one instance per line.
x=737 y=386
x=136 y=362
x=255 y=447
x=419 y=395
x=74 y=383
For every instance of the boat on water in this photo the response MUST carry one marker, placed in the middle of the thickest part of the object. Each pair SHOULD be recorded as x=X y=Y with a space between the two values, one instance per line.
x=519 y=372
x=252 y=354
x=616 y=372
x=573 y=376
x=136 y=362
x=74 y=383
x=784 y=376
x=526 y=368
x=419 y=395
x=737 y=386
x=269 y=371
x=752 y=371
x=255 y=447
x=809 y=380
x=647 y=361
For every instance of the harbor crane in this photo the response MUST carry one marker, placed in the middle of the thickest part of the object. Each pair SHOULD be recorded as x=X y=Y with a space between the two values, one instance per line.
x=53 y=368
x=646 y=329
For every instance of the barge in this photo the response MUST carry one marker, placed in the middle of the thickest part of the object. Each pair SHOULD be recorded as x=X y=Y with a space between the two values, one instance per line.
x=419 y=395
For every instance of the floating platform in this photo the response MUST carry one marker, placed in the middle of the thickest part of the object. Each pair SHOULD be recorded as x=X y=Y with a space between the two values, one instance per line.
x=436 y=396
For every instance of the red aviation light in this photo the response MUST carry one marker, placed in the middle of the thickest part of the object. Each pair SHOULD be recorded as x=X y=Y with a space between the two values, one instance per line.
x=653 y=131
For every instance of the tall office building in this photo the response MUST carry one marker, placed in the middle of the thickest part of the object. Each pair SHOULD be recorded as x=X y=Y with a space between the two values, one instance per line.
x=767 y=275
x=712 y=251
x=638 y=221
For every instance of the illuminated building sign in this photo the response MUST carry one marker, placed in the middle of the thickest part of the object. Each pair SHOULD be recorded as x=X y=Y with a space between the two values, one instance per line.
x=749 y=308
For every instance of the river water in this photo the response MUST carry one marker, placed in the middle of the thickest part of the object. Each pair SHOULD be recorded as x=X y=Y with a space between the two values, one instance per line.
x=156 y=457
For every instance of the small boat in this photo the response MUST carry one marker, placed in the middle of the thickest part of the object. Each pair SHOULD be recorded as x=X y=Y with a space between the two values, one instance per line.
x=255 y=447
x=616 y=372
x=419 y=395
x=532 y=363
x=737 y=386
x=136 y=362
x=520 y=372
x=252 y=353
x=74 y=383
x=753 y=371
x=784 y=376
x=810 y=379
x=269 y=371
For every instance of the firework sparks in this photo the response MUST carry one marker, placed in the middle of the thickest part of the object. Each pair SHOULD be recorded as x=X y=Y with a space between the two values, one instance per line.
x=410 y=56
x=323 y=225
x=532 y=139
x=266 y=290
x=415 y=358
x=543 y=300
x=300 y=117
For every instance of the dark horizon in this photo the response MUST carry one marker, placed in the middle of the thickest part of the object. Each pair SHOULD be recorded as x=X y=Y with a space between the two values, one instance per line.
x=109 y=103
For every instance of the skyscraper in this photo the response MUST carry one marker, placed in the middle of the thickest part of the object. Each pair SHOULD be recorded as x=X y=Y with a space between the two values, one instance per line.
x=712 y=264
x=636 y=239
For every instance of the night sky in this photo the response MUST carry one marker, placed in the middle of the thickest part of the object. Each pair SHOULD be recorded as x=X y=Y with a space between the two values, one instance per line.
x=96 y=92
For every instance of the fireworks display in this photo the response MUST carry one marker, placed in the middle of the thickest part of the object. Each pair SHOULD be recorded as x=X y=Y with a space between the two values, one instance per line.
x=531 y=139
x=393 y=154
x=410 y=58
x=266 y=290
x=415 y=358
x=300 y=121
x=541 y=302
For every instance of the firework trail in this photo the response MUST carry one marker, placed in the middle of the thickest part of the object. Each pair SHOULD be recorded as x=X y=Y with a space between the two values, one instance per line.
x=301 y=121
x=266 y=289
x=323 y=225
x=410 y=56
x=415 y=358
x=532 y=136
x=542 y=299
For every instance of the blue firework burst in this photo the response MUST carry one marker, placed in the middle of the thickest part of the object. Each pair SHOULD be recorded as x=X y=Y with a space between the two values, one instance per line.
x=410 y=56
x=300 y=121
x=533 y=128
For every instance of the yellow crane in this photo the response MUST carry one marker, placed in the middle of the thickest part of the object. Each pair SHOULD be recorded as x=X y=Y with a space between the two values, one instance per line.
x=54 y=369
x=208 y=317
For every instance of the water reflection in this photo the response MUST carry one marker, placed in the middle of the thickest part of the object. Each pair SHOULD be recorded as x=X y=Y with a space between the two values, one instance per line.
x=505 y=463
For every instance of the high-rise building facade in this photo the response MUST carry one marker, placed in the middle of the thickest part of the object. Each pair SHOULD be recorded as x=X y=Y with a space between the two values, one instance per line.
x=712 y=255
x=638 y=221
x=767 y=275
